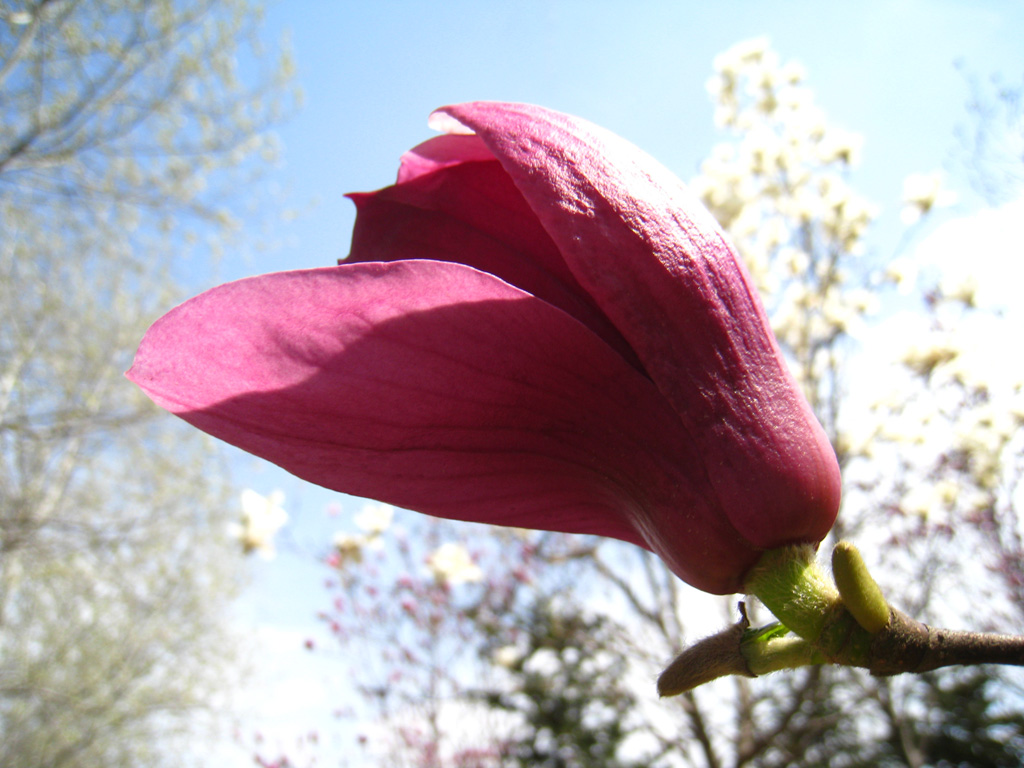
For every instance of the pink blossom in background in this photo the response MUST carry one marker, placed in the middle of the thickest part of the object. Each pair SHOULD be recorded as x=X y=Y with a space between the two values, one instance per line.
x=538 y=326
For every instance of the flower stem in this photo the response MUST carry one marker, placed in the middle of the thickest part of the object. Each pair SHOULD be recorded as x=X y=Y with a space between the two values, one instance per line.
x=852 y=626
x=792 y=586
x=779 y=653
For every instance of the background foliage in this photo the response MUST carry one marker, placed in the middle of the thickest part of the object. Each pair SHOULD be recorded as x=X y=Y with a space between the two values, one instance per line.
x=123 y=126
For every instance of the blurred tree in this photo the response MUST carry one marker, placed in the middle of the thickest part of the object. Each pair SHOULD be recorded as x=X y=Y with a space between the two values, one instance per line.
x=966 y=725
x=122 y=124
x=575 y=705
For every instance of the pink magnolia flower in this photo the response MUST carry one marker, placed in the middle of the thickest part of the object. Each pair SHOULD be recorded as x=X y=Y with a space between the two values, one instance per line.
x=538 y=326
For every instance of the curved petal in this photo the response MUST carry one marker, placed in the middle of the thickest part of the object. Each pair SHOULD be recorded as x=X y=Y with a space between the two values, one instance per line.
x=656 y=263
x=441 y=389
x=442 y=152
x=459 y=209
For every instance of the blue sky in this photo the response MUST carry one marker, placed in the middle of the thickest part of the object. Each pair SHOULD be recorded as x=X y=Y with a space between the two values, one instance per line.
x=371 y=73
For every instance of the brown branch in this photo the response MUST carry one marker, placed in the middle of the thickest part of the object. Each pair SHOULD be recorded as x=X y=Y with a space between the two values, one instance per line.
x=907 y=645
x=700 y=730
x=904 y=646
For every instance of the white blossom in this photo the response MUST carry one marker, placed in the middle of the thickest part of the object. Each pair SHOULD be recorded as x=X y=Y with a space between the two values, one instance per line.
x=375 y=518
x=262 y=518
x=902 y=272
x=507 y=656
x=348 y=548
x=921 y=193
x=451 y=563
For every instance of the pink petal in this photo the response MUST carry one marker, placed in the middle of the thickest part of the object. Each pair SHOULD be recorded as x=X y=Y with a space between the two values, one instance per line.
x=442 y=152
x=441 y=389
x=469 y=212
x=656 y=263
